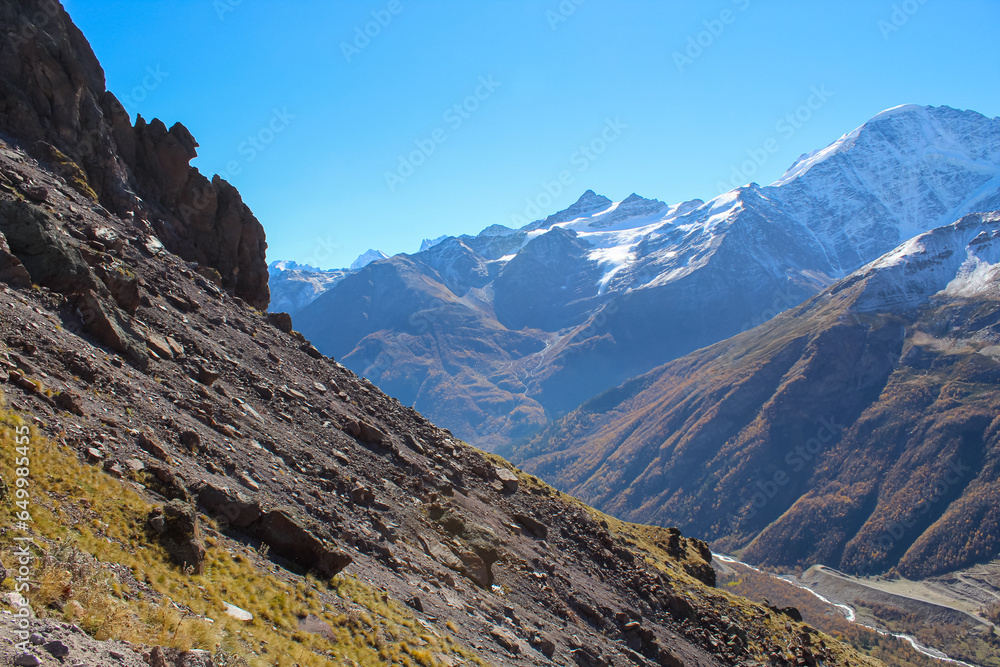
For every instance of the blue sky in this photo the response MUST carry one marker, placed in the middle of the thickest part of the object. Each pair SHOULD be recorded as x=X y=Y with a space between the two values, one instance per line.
x=356 y=124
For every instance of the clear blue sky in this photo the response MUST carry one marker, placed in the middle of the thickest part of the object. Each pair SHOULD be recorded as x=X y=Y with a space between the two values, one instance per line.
x=557 y=74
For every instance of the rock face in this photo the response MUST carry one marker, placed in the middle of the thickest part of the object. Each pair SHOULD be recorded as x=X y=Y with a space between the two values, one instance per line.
x=53 y=99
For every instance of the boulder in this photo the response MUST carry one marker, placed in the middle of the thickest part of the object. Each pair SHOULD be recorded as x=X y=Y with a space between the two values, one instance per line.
x=231 y=505
x=281 y=321
x=532 y=525
x=152 y=445
x=287 y=537
x=12 y=271
x=507 y=478
x=505 y=639
x=70 y=401
x=176 y=524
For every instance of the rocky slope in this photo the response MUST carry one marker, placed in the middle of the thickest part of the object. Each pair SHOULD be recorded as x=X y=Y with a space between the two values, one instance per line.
x=858 y=429
x=347 y=523
x=566 y=307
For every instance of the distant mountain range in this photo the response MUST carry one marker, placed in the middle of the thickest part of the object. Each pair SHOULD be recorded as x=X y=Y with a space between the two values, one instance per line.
x=494 y=335
x=859 y=429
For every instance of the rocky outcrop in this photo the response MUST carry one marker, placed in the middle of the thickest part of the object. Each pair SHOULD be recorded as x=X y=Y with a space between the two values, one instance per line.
x=53 y=99
x=176 y=524
x=287 y=537
x=231 y=505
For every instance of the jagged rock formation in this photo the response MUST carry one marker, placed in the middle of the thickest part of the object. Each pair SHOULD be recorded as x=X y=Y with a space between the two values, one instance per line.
x=857 y=430
x=54 y=102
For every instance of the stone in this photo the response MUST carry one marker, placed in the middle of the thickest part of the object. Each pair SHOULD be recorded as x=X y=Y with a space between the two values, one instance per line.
x=70 y=401
x=159 y=346
x=135 y=465
x=94 y=455
x=239 y=614
x=362 y=495
x=248 y=481
x=181 y=534
x=122 y=284
x=532 y=525
x=288 y=537
x=27 y=660
x=317 y=626
x=475 y=568
x=364 y=432
x=505 y=639
x=311 y=350
x=545 y=645
x=152 y=445
x=281 y=321
x=206 y=375
x=35 y=193
x=103 y=320
x=12 y=271
x=507 y=478
x=190 y=439
x=56 y=649
x=453 y=524
x=237 y=509
x=415 y=603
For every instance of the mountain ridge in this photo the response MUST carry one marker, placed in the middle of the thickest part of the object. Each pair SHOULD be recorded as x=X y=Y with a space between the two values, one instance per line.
x=775 y=443
x=658 y=281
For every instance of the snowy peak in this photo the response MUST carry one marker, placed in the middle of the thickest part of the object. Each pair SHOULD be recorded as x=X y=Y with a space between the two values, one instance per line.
x=961 y=259
x=430 y=243
x=367 y=258
x=588 y=204
x=632 y=206
x=289 y=265
x=916 y=132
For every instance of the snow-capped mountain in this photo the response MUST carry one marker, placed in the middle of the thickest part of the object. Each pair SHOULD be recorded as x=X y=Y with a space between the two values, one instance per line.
x=366 y=258
x=603 y=290
x=828 y=434
x=430 y=243
x=294 y=286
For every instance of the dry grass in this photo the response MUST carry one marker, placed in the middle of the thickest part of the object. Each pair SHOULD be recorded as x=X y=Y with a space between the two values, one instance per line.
x=91 y=532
